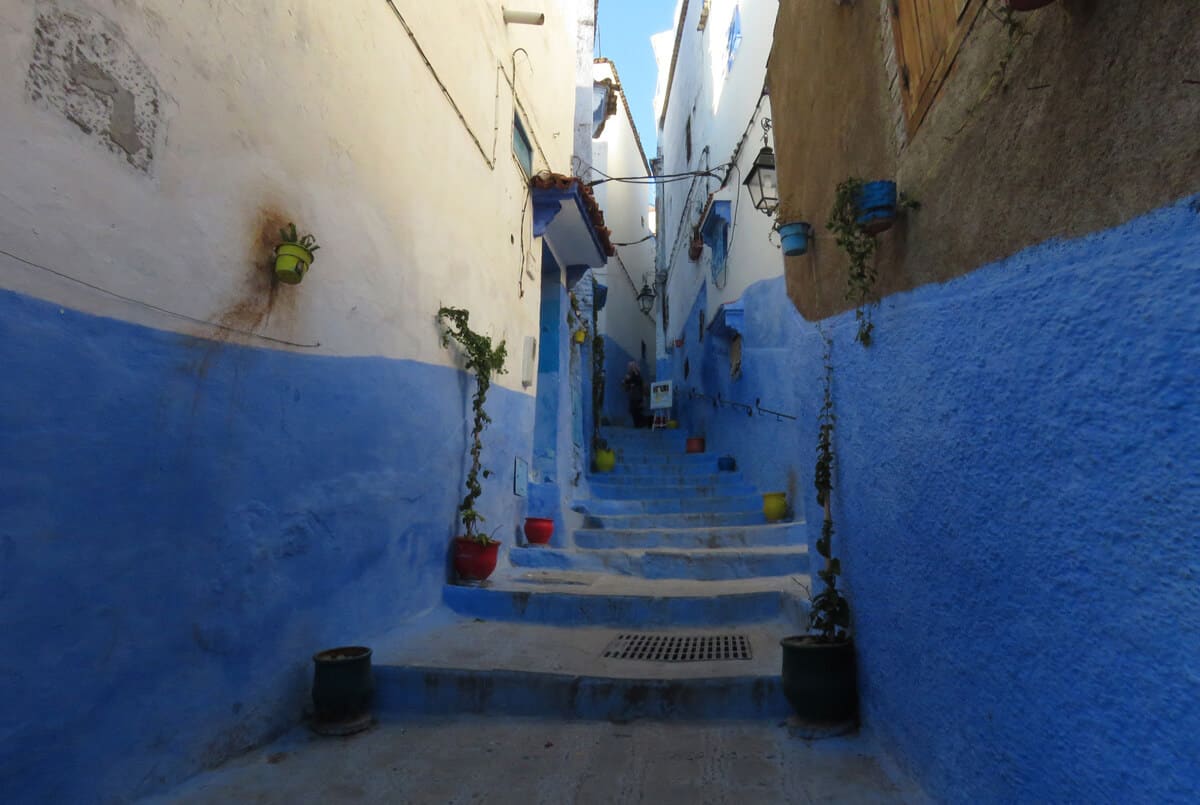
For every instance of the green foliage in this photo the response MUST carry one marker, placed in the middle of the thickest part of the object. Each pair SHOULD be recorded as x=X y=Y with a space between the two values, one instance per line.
x=859 y=246
x=829 y=612
x=288 y=235
x=484 y=361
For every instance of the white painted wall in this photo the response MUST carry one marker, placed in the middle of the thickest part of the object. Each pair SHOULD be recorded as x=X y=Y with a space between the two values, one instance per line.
x=325 y=114
x=721 y=103
x=617 y=152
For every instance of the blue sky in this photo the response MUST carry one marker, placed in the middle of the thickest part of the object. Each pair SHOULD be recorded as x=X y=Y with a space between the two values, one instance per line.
x=623 y=33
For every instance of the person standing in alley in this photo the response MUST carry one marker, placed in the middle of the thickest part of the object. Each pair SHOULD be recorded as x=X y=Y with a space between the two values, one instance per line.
x=635 y=388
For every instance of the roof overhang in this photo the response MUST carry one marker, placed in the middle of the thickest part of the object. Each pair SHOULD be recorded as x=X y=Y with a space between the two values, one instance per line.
x=729 y=319
x=561 y=216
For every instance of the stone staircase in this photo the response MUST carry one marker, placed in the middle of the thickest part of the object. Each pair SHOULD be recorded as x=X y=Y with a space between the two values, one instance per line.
x=669 y=546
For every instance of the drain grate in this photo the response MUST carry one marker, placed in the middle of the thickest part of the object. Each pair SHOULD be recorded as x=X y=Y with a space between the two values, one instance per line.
x=677 y=648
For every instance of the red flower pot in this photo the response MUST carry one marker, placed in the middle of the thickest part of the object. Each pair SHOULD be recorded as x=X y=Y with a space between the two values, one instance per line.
x=695 y=444
x=539 y=530
x=1027 y=5
x=473 y=561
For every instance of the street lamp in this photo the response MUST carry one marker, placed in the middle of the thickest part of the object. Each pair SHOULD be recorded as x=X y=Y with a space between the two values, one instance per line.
x=761 y=181
x=646 y=298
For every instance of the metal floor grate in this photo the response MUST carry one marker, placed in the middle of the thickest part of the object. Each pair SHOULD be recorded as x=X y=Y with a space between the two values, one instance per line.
x=675 y=648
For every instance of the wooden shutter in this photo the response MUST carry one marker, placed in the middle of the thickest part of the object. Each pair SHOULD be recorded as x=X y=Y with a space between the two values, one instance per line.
x=928 y=34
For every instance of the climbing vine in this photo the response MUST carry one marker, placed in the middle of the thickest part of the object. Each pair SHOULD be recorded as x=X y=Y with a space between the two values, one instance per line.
x=829 y=612
x=859 y=246
x=484 y=361
x=597 y=377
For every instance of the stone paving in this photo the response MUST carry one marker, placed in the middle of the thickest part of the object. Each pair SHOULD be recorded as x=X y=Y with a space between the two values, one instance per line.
x=552 y=762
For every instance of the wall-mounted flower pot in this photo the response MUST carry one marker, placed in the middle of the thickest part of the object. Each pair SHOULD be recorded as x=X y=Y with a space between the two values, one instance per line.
x=695 y=249
x=695 y=444
x=819 y=679
x=539 y=530
x=795 y=238
x=474 y=561
x=726 y=464
x=291 y=262
x=775 y=506
x=877 y=206
x=342 y=690
x=606 y=460
x=1027 y=5
x=580 y=336
x=678 y=343
x=673 y=424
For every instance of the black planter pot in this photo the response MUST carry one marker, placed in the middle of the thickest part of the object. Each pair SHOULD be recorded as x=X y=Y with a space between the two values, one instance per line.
x=342 y=690
x=819 y=679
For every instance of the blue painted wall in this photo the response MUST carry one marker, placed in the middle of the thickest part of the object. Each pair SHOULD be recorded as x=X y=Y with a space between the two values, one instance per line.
x=616 y=400
x=1017 y=503
x=183 y=523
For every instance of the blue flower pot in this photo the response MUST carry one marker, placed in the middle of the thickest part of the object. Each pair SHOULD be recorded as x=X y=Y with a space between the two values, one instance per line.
x=877 y=206
x=795 y=238
x=726 y=464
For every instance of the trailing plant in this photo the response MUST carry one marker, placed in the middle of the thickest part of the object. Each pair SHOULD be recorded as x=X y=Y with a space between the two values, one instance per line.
x=288 y=235
x=829 y=612
x=597 y=378
x=859 y=246
x=484 y=361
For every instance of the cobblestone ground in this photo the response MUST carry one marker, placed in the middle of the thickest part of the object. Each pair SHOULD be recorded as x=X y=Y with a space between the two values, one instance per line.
x=530 y=761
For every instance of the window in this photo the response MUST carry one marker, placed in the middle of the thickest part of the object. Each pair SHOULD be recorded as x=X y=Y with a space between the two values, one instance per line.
x=735 y=357
x=927 y=37
x=735 y=38
x=522 y=150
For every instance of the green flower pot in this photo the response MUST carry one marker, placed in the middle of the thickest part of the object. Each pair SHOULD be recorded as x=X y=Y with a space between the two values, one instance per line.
x=775 y=506
x=605 y=460
x=291 y=262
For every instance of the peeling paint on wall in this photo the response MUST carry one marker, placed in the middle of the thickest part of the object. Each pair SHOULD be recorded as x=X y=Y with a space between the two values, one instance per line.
x=83 y=68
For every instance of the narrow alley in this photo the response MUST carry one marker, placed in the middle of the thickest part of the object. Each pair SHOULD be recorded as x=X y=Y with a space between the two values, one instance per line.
x=600 y=401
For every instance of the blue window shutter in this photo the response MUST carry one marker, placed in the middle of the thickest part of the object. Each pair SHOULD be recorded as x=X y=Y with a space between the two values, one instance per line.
x=735 y=38
x=521 y=146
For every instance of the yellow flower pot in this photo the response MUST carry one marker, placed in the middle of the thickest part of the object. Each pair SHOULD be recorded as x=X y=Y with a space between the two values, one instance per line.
x=580 y=336
x=775 y=506
x=606 y=460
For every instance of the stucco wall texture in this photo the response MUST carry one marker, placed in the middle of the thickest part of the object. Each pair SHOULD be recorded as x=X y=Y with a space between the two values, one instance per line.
x=1016 y=498
x=1091 y=124
x=179 y=537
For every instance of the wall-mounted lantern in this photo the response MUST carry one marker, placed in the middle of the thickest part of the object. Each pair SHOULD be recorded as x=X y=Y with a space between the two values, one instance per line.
x=762 y=183
x=646 y=298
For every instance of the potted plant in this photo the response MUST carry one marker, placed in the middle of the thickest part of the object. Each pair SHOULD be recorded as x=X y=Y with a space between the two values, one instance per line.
x=580 y=336
x=775 y=506
x=293 y=255
x=795 y=238
x=539 y=530
x=819 y=674
x=695 y=444
x=474 y=551
x=342 y=690
x=605 y=459
x=726 y=463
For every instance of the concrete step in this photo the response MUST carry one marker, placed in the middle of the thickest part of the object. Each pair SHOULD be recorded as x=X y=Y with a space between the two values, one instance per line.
x=682 y=503
x=706 y=564
x=676 y=519
x=609 y=490
x=498 y=668
x=675 y=471
x=771 y=534
x=571 y=598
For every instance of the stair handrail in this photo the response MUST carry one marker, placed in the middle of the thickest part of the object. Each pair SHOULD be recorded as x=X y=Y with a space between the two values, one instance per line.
x=718 y=401
x=779 y=415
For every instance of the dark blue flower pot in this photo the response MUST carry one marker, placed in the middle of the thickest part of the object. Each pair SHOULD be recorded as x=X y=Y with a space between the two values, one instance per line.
x=877 y=206
x=795 y=238
x=726 y=464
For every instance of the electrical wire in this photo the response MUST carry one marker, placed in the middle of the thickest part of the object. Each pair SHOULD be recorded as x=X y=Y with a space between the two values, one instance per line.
x=148 y=305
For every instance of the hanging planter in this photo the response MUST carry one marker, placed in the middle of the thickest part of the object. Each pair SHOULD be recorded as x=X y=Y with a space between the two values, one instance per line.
x=695 y=444
x=1027 y=5
x=696 y=247
x=876 y=205
x=819 y=678
x=342 y=690
x=726 y=464
x=474 y=561
x=539 y=530
x=580 y=336
x=293 y=255
x=678 y=343
x=775 y=506
x=795 y=238
x=672 y=424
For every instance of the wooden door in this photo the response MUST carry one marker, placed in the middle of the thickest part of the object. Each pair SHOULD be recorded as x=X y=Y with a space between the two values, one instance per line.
x=928 y=34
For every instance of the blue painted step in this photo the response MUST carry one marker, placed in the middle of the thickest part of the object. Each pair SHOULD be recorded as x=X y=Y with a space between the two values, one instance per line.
x=679 y=504
x=720 y=537
x=605 y=490
x=555 y=605
x=415 y=690
x=663 y=563
x=676 y=520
